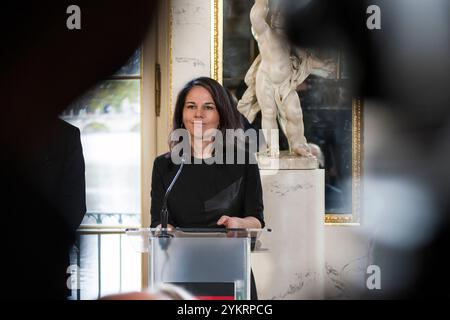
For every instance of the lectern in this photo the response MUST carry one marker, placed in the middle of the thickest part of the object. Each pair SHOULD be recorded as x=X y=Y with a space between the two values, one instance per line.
x=209 y=263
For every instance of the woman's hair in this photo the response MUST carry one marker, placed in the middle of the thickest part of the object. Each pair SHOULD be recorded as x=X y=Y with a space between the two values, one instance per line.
x=229 y=116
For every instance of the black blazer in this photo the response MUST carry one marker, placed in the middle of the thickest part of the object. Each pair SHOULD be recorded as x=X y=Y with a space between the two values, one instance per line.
x=203 y=193
x=43 y=204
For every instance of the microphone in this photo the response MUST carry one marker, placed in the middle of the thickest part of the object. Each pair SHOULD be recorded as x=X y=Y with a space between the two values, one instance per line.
x=164 y=210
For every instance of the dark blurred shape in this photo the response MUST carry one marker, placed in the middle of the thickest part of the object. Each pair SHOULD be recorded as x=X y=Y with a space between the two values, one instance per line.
x=406 y=62
x=43 y=68
x=403 y=70
x=336 y=24
x=43 y=204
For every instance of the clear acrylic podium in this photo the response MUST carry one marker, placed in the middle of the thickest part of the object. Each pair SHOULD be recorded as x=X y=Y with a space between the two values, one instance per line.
x=208 y=263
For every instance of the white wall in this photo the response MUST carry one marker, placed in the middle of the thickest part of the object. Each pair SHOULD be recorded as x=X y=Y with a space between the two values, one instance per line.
x=190 y=42
x=347 y=255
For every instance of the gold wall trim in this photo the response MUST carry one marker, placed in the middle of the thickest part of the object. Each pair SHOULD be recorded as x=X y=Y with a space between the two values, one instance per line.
x=338 y=218
x=216 y=39
x=356 y=158
x=170 y=64
x=354 y=217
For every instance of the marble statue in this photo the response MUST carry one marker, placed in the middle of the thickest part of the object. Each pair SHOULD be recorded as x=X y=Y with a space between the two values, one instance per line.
x=273 y=78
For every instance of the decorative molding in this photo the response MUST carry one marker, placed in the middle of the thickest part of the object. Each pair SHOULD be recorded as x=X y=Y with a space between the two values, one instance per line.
x=354 y=217
x=356 y=158
x=216 y=39
x=170 y=64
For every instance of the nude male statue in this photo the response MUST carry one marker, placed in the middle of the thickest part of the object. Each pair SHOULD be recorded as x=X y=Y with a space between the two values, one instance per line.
x=273 y=78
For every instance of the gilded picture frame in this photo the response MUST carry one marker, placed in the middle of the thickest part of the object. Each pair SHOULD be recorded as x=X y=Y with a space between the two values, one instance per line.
x=221 y=12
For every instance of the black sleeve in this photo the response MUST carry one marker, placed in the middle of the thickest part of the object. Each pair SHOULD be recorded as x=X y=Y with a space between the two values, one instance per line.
x=73 y=186
x=161 y=169
x=253 y=197
x=157 y=194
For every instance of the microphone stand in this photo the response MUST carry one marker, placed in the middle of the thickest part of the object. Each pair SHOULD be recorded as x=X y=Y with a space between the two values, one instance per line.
x=164 y=210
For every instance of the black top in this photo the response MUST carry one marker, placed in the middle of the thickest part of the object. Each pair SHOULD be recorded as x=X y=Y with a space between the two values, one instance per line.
x=204 y=192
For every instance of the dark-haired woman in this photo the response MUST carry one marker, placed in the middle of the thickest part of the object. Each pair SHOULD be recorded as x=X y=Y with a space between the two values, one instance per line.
x=217 y=194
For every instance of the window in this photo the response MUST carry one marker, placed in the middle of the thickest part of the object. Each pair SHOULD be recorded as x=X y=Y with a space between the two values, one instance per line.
x=108 y=117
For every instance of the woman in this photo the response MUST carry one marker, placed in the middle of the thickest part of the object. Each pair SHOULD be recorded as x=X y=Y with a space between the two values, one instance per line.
x=207 y=195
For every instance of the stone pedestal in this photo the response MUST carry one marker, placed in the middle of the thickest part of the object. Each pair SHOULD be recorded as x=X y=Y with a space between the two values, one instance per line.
x=294 y=206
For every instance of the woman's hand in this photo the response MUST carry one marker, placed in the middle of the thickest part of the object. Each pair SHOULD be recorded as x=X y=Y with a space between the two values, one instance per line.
x=169 y=227
x=239 y=223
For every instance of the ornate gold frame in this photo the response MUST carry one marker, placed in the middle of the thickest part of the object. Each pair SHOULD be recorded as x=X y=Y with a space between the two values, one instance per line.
x=357 y=123
x=357 y=140
x=216 y=39
x=170 y=64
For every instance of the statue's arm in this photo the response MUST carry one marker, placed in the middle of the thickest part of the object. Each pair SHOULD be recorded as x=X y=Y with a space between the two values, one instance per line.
x=322 y=68
x=258 y=15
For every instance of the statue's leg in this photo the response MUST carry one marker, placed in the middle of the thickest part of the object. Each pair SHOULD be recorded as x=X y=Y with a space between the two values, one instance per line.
x=294 y=124
x=266 y=100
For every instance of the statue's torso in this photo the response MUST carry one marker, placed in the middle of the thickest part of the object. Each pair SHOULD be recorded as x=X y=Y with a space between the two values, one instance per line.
x=275 y=57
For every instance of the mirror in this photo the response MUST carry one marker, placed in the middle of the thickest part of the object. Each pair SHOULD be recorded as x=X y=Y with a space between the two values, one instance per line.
x=332 y=116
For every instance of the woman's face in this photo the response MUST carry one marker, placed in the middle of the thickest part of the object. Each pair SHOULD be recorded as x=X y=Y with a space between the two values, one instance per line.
x=200 y=111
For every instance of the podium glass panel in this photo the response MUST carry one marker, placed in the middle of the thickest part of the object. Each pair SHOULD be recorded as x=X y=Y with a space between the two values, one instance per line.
x=209 y=267
x=208 y=263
